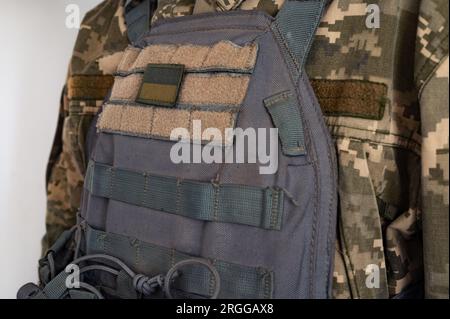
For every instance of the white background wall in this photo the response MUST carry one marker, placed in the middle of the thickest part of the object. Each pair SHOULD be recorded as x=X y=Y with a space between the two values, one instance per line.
x=34 y=55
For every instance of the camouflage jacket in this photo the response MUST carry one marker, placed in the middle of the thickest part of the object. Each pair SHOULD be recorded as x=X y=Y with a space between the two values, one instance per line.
x=384 y=94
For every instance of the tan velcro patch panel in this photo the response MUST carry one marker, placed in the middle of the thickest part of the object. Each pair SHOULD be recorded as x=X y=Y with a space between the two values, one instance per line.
x=158 y=122
x=128 y=58
x=352 y=98
x=224 y=55
x=89 y=87
x=213 y=87
x=196 y=89
x=126 y=88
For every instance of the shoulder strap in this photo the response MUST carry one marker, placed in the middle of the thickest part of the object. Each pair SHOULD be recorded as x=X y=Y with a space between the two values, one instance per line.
x=137 y=16
x=295 y=27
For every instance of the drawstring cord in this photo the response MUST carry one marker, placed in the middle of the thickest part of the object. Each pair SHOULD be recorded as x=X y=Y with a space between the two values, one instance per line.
x=142 y=283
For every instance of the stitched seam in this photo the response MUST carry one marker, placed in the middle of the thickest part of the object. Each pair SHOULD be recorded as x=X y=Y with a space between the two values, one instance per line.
x=281 y=52
x=212 y=282
x=286 y=47
x=253 y=54
x=144 y=194
x=178 y=197
x=306 y=128
x=430 y=76
x=266 y=285
x=332 y=160
x=220 y=108
x=110 y=182
x=197 y=70
x=150 y=36
x=137 y=255
x=106 y=244
x=216 y=202
x=274 y=215
x=157 y=137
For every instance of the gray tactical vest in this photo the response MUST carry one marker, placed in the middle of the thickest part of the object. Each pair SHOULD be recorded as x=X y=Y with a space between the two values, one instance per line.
x=150 y=227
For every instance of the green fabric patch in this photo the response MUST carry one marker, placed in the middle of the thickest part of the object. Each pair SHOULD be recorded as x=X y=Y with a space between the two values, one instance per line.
x=352 y=98
x=161 y=84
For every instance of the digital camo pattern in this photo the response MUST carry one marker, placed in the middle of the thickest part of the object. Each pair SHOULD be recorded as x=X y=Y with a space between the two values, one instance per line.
x=178 y=8
x=173 y=8
x=435 y=166
x=382 y=204
x=432 y=38
x=98 y=48
x=432 y=74
x=380 y=160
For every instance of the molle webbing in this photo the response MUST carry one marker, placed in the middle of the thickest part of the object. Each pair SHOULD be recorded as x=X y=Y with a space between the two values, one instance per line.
x=237 y=281
x=158 y=122
x=212 y=90
x=226 y=203
x=222 y=56
x=198 y=89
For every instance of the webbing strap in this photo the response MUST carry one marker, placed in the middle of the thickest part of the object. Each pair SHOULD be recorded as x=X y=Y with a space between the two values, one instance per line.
x=237 y=281
x=55 y=289
x=138 y=18
x=295 y=27
x=247 y=205
x=286 y=117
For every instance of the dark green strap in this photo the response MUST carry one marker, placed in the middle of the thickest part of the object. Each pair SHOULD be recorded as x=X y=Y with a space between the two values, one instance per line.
x=237 y=281
x=295 y=27
x=247 y=205
x=285 y=114
x=55 y=289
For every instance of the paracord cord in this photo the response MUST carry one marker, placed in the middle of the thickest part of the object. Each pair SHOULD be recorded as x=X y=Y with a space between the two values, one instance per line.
x=144 y=284
x=92 y=289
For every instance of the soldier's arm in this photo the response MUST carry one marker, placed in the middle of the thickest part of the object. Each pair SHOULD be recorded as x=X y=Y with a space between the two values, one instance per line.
x=431 y=74
x=60 y=214
x=435 y=132
x=101 y=39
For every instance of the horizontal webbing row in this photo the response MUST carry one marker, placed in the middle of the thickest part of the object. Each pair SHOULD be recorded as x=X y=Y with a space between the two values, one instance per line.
x=224 y=55
x=236 y=281
x=248 y=205
x=160 y=122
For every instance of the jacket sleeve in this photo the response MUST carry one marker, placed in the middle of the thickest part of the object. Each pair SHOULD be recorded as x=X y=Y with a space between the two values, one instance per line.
x=97 y=52
x=435 y=138
x=64 y=180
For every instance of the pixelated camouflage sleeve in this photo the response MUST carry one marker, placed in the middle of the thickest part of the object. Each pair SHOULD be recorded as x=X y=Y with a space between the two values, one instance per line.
x=431 y=74
x=98 y=49
x=435 y=193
